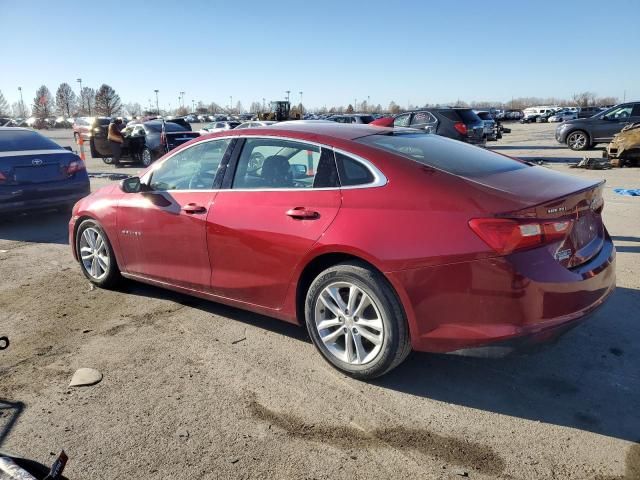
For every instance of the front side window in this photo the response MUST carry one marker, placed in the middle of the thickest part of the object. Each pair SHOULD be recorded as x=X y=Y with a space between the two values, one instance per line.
x=620 y=113
x=193 y=168
x=271 y=163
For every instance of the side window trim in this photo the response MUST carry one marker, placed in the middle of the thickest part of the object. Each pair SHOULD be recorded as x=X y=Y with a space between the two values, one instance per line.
x=379 y=180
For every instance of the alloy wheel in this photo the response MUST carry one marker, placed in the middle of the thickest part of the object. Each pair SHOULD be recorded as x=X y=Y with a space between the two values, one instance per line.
x=94 y=253
x=146 y=157
x=577 y=141
x=349 y=323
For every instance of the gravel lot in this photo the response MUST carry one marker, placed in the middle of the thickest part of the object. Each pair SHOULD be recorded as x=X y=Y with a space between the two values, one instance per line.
x=194 y=389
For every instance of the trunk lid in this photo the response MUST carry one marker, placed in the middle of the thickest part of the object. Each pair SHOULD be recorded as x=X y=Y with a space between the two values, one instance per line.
x=36 y=168
x=538 y=194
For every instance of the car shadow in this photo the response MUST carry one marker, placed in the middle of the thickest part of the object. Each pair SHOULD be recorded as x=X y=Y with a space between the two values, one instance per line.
x=49 y=226
x=589 y=380
x=527 y=147
x=623 y=238
x=261 y=321
x=9 y=414
x=547 y=159
x=626 y=248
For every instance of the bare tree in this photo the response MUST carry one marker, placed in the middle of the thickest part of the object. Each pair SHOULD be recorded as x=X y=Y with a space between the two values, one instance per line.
x=4 y=105
x=65 y=100
x=107 y=101
x=87 y=101
x=584 y=99
x=18 y=111
x=394 y=108
x=604 y=101
x=132 y=109
x=255 y=107
x=182 y=111
x=43 y=103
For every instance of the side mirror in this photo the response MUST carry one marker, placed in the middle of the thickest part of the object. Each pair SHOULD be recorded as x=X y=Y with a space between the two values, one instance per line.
x=131 y=185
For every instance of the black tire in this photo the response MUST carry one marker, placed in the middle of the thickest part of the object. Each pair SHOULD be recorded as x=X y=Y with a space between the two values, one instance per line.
x=575 y=144
x=112 y=277
x=108 y=160
x=146 y=157
x=395 y=345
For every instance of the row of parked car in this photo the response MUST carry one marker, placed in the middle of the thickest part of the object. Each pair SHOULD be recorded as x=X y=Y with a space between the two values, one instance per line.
x=543 y=114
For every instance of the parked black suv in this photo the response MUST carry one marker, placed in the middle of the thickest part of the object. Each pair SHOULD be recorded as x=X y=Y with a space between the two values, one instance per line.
x=458 y=123
x=586 y=112
x=584 y=133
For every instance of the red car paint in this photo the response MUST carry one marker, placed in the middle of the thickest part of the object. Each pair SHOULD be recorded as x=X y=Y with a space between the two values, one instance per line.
x=244 y=250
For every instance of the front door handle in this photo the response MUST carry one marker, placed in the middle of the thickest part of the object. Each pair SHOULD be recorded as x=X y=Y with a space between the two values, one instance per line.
x=301 y=213
x=191 y=208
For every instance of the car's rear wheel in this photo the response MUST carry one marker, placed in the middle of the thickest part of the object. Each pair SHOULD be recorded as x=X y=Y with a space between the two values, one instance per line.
x=96 y=256
x=356 y=321
x=147 y=157
x=578 y=140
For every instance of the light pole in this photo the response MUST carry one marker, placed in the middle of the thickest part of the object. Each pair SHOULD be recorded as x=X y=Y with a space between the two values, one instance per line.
x=263 y=104
x=301 y=106
x=21 y=102
x=79 y=80
x=157 y=104
x=368 y=104
x=287 y=92
x=182 y=99
x=193 y=105
x=230 y=103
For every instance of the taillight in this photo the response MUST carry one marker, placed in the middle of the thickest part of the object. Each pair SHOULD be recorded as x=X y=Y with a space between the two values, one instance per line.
x=506 y=236
x=75 y=166
x=460 y=127
x=3 y=177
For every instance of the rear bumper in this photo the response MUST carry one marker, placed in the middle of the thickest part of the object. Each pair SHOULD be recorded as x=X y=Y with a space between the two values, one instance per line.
x=505 y=302
x=42 y=196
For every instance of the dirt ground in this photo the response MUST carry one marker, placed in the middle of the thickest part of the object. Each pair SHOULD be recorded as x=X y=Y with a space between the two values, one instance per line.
x=193 y=389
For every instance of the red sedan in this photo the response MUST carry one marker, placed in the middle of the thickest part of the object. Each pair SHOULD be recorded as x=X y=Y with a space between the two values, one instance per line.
x=379 y=240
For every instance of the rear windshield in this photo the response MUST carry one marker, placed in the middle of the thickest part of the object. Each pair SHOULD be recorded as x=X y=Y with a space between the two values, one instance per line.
x=468 y=116
x=451 y=156
x=169 y=127
x=19 y=140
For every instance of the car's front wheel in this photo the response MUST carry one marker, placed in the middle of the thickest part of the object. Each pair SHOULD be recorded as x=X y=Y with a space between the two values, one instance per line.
x=356 y=321
x=578 y=140
x=96 y=256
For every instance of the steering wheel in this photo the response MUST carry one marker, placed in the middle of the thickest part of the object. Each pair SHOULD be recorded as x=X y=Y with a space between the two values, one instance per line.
x=201 y=181
x=255 y=162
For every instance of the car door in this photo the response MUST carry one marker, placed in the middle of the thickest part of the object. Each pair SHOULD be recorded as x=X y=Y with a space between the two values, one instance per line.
x=99 y=141
x=281 y=196
x=424 y=121
x=607 y=125
x=162 y=229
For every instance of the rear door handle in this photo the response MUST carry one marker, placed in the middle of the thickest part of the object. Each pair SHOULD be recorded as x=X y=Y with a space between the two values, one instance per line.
x=193 y=208
x=302 y=213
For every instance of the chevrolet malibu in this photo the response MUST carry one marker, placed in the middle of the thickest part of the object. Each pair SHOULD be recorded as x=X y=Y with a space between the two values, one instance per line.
x=379 y=240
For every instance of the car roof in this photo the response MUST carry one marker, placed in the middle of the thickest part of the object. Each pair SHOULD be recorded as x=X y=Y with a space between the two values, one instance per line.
x=326 y=129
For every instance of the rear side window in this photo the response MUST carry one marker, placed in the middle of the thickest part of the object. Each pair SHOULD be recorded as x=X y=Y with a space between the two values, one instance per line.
x=468 y=116
x=420 y=118
x=21 y=140
x=444 y=154
x=352 y=172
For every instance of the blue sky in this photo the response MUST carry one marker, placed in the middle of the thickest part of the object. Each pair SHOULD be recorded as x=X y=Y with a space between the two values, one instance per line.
x=333 y=51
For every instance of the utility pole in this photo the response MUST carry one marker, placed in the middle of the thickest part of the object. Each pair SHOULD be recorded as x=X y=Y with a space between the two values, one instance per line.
x=182 y=99
x=79 y=80
x=264 y=104
x=301 y=106
x=193 y=106
x=368 y=104
x=157 y=104
x=230 y=103
x=21 y=102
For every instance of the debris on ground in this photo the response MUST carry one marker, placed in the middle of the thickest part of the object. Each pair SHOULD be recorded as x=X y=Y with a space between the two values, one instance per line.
x=239 y=340
x=591 y=163
x=85 y=377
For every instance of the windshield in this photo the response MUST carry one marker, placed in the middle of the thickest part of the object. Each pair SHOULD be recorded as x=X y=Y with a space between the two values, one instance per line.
x=444 y=154
x=20 y=140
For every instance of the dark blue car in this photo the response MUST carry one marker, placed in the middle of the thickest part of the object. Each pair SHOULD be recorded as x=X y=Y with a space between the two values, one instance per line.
x=37 y=173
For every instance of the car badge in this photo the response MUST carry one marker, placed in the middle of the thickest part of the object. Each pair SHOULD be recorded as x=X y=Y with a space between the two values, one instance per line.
x=36 y=162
